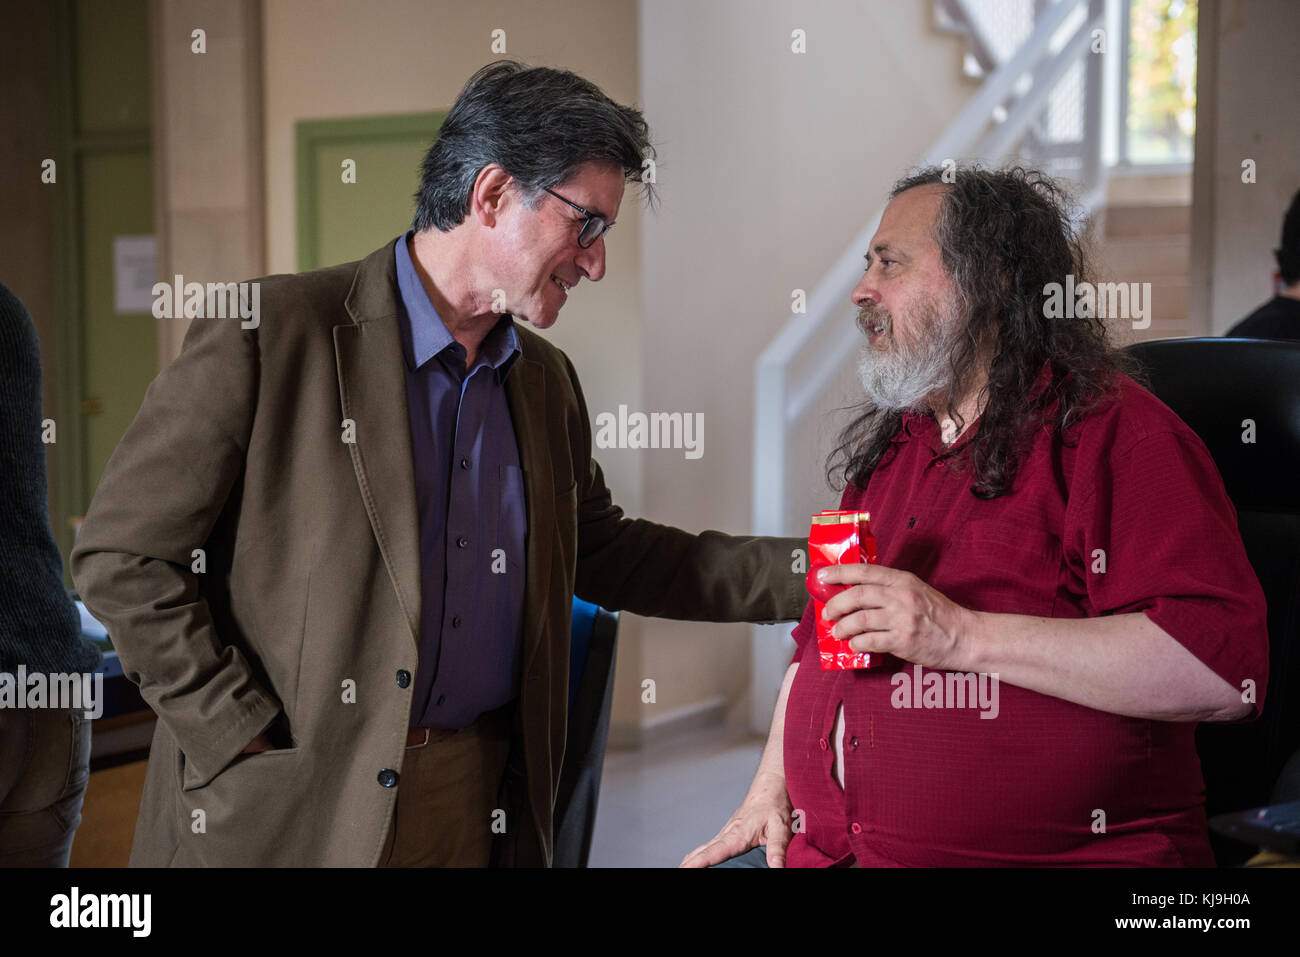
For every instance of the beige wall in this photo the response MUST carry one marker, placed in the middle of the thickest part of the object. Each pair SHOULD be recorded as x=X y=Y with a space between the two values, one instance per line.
x=208 y=203
x=772 y=162
x=1247 y=90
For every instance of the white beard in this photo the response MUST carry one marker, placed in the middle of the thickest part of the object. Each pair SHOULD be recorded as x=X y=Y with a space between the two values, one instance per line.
x=903 y=377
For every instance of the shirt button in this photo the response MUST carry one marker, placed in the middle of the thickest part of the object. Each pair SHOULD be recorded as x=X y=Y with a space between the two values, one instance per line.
x=403 y=678
x=464 y=463
x=455 y=621
x=823 y=743
x=388 y=778
x=462 y=542
x=853 y=743
x=855 y=827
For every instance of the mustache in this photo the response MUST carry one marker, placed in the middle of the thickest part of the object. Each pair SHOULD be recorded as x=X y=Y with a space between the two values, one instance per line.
x=870 y=314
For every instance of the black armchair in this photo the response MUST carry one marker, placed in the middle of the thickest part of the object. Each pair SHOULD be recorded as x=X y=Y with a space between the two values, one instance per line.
x=1215 y=386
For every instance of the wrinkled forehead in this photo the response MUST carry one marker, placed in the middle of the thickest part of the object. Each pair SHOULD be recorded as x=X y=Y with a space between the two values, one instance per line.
x=909 y=219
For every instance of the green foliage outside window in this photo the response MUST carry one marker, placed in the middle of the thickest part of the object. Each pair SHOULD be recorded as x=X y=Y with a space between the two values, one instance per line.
x=1161 y=81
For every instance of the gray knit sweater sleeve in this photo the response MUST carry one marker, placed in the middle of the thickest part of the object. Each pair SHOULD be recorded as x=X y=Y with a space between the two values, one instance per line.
x=39 y=625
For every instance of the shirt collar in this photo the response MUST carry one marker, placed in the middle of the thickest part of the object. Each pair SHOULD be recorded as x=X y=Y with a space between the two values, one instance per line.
x=425 y=335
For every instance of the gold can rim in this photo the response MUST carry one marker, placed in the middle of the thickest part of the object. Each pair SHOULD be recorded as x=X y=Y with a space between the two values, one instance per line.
x=841 y=518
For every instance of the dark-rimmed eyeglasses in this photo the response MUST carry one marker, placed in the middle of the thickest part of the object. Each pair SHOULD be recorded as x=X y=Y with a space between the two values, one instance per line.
x=593 y=227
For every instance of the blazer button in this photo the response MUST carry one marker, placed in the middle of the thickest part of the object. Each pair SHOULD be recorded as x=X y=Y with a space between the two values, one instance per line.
x=388 y=778
x=464 y=463
x=854 y=743
x=462 y=542
x=823 y=743
x=403 y=678
x=455 y=621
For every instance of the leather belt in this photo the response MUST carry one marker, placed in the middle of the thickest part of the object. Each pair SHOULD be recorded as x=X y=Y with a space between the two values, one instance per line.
x=419 y=737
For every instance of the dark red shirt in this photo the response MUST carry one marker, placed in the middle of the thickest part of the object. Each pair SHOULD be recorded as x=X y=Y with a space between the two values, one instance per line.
x=942 y=786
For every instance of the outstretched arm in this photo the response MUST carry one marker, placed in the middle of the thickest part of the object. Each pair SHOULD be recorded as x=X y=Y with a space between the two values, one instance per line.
x=629 y=564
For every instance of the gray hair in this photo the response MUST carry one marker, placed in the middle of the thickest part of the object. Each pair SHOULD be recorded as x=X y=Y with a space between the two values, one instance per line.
x=540 y=125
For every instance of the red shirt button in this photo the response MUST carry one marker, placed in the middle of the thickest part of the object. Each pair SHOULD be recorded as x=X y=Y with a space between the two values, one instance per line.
x=823 y=743
x=855 y=827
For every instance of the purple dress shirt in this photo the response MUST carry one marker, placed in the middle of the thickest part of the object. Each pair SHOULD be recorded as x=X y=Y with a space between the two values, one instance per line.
x=470 y=493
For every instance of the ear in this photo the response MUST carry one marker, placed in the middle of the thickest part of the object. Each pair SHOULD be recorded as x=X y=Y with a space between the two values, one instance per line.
x=490 y=193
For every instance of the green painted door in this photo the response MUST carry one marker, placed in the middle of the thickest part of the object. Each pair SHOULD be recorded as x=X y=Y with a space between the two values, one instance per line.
x=121 y=348
x=108 y=358
x=357 y=180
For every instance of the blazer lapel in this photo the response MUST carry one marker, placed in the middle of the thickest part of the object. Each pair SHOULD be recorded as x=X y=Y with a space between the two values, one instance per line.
x=372 y=392
x=526 y=395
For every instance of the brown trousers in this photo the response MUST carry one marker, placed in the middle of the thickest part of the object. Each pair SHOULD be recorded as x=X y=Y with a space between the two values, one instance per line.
x=447 y=803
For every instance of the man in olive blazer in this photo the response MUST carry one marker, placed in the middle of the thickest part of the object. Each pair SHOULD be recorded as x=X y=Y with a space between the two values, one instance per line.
x=254 y=550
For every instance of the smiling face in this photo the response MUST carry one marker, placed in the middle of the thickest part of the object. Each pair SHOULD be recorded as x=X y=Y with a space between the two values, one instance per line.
x=534 y=253
x=906 y=303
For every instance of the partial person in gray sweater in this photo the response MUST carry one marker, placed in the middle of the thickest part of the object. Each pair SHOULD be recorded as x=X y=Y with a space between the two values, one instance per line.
x=44 y=750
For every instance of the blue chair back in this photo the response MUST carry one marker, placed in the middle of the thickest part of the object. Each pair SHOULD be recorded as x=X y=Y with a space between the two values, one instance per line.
x=593 y=636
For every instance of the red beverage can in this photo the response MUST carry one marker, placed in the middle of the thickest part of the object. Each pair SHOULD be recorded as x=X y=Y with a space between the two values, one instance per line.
x=838 y=538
